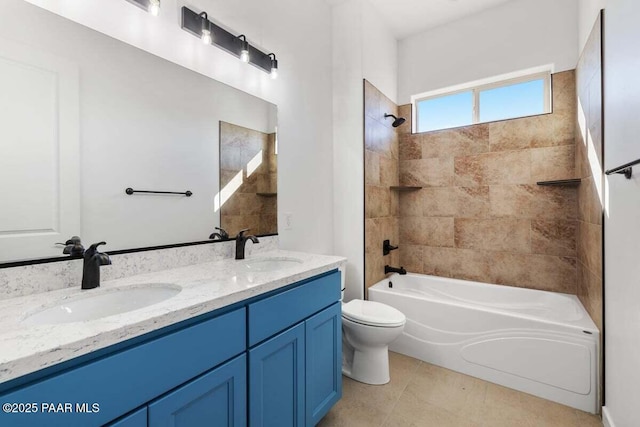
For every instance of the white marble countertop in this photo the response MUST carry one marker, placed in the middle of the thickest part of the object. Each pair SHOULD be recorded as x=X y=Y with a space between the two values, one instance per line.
x=205 y=287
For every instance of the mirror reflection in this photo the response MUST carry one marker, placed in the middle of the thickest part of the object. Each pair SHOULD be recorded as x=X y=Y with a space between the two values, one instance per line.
x=85 y=116
x=248 y=180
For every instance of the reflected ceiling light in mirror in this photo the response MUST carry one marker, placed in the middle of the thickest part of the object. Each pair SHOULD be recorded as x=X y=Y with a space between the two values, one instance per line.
x=244 y=49
x=274 y=66
x=205 y=28
x=195 y=24
x=154 y=7
x=151 y=6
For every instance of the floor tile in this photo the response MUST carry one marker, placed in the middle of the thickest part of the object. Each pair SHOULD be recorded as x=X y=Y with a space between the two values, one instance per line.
x=424 y=395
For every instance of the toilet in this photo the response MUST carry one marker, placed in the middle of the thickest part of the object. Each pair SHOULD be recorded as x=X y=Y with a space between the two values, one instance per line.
x=368 y=327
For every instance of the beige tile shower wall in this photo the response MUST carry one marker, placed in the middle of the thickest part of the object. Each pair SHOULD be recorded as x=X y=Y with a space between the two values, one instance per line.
x=381 y=172
x=589 y=169
x=480 y=215
x=248 y=155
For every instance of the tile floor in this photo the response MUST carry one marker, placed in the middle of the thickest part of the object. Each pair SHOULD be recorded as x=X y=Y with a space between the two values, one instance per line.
x=424 y=395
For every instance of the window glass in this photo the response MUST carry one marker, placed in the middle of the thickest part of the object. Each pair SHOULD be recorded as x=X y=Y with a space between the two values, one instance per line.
x=445 y=112
x=488 y=102
x=517 y=100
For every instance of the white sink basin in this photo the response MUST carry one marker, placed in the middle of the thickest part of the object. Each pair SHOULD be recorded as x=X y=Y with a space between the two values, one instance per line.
x=265 y=264
x=96 y=304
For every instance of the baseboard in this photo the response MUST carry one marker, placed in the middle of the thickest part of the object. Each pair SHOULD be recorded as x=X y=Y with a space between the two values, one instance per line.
x=606 y=418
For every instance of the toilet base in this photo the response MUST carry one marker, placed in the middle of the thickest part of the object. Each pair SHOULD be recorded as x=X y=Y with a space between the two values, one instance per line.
x=369 y=367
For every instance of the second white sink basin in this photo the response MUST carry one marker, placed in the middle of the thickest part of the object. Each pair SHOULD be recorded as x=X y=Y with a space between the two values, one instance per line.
x=270 y=264
x=94 y=304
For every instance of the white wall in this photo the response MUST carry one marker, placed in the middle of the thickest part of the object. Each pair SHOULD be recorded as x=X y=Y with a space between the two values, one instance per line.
x=517 y=35
x=363 y=49
x=299 y=32
x=379 y=53
x=622 y=213
x=587 y=13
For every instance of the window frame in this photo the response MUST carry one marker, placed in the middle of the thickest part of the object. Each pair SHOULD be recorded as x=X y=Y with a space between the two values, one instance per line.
x=480 y=86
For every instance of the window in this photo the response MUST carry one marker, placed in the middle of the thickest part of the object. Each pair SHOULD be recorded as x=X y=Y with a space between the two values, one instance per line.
x=482 y=102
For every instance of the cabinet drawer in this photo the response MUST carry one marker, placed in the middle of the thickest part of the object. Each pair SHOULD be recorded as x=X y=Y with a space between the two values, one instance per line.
x=274 y=314
x=126 y=380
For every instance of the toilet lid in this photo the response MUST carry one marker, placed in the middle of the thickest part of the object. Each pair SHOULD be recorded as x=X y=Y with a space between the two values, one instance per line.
x=372 y=313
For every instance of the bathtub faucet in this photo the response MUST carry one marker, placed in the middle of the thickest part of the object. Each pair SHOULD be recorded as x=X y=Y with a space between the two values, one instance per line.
x=388 y=269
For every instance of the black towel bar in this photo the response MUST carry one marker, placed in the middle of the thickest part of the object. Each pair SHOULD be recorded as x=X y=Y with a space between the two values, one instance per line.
x=131 y=191
x=625 y=170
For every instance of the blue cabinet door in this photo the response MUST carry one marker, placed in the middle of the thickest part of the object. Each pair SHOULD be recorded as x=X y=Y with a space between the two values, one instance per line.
x=276 y=381
x=136 y=419
x=323 y=341
x=217 y=398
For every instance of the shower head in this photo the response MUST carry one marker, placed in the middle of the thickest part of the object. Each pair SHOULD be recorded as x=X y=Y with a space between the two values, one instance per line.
x=397 y=121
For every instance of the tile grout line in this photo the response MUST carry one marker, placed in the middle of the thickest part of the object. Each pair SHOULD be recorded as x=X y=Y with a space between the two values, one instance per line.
x=420 y=362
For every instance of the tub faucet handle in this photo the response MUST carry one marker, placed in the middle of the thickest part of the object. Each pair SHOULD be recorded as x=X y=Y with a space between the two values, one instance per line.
x=386 y=247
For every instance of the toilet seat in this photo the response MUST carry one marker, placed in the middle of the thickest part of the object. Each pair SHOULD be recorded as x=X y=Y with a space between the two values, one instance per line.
x=373 y=313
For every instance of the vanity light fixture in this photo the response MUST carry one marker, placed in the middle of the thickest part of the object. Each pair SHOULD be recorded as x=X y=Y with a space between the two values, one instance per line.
x=205 y=28
x=151 y=6
x=244 y=49
x=274 y=66
x=199 y=25
x=154 y=7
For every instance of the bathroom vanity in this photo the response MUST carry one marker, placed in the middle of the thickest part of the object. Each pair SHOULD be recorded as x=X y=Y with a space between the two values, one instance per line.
x=231 y=349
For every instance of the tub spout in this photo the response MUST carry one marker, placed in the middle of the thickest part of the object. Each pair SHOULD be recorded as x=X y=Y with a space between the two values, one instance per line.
x=388 y=269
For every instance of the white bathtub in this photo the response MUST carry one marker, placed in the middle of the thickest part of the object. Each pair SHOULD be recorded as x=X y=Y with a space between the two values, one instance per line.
x=542 y=343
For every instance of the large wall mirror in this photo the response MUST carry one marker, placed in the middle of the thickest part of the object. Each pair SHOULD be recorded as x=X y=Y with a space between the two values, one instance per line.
x=84 y=116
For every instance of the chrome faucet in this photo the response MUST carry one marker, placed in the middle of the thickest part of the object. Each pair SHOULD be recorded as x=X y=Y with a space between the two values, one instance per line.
x=241 y=241
x=91 y=268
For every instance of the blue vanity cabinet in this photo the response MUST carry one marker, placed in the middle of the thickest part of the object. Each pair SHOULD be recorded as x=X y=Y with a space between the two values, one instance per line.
x=277 y=381
x=125 y=380
x=217 y=398
x=271 y=361
x=136 y=419
x=323 y=360
x=295 y=376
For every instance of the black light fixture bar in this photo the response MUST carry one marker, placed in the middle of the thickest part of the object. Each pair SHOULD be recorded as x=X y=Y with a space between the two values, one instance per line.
x=192 y=23
x=143 y=4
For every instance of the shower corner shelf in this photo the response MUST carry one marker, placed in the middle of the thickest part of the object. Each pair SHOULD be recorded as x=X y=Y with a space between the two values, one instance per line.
x=405 y=187
x=267 y=194
x=561 y=183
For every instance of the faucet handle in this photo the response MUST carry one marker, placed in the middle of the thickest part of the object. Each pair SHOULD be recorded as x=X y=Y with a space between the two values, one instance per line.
x=72 y=246
x=95 y=245
x=241 y=233
x=93 y=249
x=223 y=235
x=223 y=232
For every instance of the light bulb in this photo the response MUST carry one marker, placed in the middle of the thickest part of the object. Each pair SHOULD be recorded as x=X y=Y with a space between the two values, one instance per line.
x=244 y=48
x=206 y=36
x=244 y=55
x=274 y=66
x=154 y=7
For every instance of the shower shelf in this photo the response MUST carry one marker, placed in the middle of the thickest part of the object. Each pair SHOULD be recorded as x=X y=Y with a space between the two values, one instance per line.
x=405 y=188
x=560 y=183
x=267 y=194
